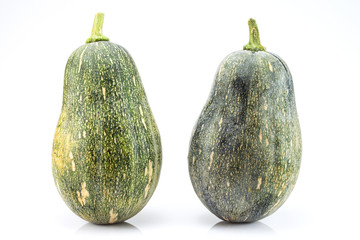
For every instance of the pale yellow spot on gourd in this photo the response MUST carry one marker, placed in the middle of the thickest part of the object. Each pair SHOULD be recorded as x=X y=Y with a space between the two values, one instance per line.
x=73 y=165
x=143 y=122
x=104 y=92
x=146 y=190
x=79 y=135
x=226 y=219
x=141 y=111
x=83 y=194
x=193 y=159
x=260 y=136
x=267 y=142
x=199 y=151
x=81 y=56
x=279 y=193
x=211 y=159
x=80 y=97
x=265 y=106
x=150 y=172
x=71 y=156
x=84 y=134
x=221 y=67
x=259 y=183
x=228 y=183
x=270 y=67
x=220 y=122
x=134 y=80
x=113 y=216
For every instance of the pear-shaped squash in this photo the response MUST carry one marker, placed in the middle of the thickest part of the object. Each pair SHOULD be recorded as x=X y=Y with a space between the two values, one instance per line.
x=245 y=149
x=106 y=156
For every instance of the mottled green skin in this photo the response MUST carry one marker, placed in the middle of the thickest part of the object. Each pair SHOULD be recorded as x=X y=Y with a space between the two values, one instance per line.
x=245 y=150
x=106 y=155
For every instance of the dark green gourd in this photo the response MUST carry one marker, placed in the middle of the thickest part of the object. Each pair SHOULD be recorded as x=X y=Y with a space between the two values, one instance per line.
x=106 y=154
x=245 y=149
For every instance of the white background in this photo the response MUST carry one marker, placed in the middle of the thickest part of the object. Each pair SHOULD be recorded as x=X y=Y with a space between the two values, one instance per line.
x=177 y=46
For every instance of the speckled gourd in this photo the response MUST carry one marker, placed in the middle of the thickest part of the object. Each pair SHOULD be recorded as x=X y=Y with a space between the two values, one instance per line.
x=106 y=154
x=245 y=149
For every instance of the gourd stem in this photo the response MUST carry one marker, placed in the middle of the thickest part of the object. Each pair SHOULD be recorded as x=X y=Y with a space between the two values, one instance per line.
x=96 y=34
x=254 y=40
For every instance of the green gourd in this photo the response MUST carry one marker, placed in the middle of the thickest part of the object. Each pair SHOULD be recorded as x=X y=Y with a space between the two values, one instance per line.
x=106 y=156
x=245 y=150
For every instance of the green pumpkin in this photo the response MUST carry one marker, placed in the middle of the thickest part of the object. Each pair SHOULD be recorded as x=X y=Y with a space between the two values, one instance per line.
x=245 y=149
x=106 y=156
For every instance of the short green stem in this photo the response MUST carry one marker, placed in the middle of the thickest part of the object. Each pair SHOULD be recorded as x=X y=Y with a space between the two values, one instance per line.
x=96 y=34
x=254 y=41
